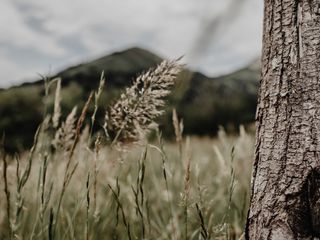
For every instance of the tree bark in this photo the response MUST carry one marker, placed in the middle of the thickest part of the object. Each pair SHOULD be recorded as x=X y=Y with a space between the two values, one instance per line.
x=285 y=200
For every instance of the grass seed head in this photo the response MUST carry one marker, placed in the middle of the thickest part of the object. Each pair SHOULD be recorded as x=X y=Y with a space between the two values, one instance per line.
x=142 y=103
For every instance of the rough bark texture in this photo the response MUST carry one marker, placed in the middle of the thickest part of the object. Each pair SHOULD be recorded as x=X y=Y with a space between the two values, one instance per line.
x=285 y=201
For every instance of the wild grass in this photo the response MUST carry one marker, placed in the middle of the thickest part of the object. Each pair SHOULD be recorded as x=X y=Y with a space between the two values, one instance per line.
x=71 y=186
x=134 y=114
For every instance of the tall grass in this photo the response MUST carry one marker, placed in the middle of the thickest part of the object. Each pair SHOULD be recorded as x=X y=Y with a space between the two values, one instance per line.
x=78 y=188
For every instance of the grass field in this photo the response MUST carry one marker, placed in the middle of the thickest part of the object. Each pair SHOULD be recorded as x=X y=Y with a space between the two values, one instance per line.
x=71 y=185
x=154 y=191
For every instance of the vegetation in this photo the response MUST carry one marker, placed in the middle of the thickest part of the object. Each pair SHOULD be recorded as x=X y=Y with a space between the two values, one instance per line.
x=71 y=185
x=204 y=103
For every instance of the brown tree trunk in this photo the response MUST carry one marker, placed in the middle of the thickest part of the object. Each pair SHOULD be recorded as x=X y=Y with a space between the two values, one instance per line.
x=285 y=201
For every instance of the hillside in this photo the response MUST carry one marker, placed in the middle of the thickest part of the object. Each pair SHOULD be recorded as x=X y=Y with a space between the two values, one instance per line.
x=204 y=103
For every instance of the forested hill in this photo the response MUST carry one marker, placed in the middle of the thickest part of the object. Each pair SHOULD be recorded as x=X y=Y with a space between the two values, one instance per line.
x=204 y=103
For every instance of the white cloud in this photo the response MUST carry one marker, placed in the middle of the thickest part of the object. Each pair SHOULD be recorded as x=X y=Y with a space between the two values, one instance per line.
x=13 y=73
x=63 y=32
x=19 y=34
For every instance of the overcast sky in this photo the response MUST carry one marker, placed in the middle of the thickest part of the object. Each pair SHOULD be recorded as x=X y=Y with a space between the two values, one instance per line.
x=43 y=36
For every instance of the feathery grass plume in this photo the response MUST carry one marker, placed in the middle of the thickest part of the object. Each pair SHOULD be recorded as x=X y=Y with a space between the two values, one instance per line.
x=57 y=108
x=141 y=103
x=66 y=133
x=84 y=136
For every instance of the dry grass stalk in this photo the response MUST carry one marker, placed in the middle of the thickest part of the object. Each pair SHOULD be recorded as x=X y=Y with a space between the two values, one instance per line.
x=120 y=207
x=21 y=182
x=230 y=193
x=57 y=109
x=6 y=189
x=142 y=103
x=186 y=193
x=97 y=147
x=80 y=123
x=87 y=205
x=68 y=173
x=97 y=95
x=178 y=129
x=5 y=180
x=44 y=198
x=139 y=191
x=178 y=126
x=204 y=232
x=164 y=159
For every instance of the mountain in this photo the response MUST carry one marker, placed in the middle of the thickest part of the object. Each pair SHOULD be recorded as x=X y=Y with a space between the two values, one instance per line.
x=203 y=102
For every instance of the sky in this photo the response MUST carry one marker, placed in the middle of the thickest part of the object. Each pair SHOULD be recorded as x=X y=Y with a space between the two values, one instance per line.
x=45 y=36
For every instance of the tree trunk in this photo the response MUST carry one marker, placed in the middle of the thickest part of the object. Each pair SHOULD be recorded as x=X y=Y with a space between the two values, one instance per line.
x=285 y=201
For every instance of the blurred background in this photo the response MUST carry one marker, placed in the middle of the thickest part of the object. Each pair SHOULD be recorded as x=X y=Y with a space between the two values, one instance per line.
x=220 y=41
